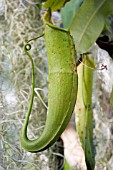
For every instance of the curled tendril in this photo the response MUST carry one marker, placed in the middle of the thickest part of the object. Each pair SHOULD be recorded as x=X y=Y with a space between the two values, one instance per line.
x=28 y=47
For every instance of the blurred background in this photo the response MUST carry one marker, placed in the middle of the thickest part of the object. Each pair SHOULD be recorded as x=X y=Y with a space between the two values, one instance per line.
x=20 y=21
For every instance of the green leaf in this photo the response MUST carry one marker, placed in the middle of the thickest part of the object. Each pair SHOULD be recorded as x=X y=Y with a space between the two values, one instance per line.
x=53 y=4
x=89 y=23
x=105 y=7
x=69 y=10
x=111 y=98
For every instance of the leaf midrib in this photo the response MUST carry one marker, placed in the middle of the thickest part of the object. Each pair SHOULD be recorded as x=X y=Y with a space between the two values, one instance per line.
x=90 y=21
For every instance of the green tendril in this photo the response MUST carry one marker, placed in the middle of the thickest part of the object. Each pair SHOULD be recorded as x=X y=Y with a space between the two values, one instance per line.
x=27 y=47
x=35 y=38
